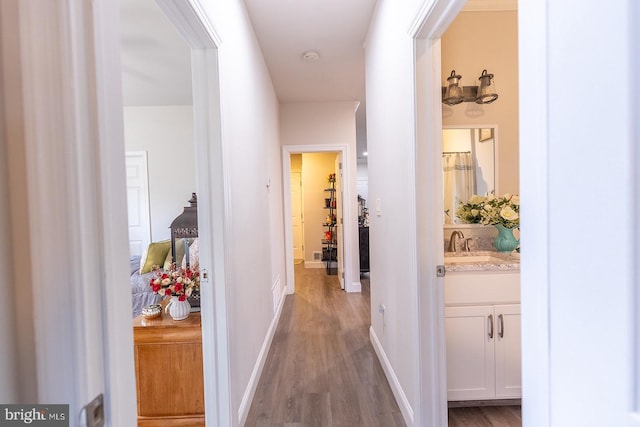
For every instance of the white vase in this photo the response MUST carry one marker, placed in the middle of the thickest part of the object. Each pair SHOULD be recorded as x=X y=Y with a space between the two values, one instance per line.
x=178 y=310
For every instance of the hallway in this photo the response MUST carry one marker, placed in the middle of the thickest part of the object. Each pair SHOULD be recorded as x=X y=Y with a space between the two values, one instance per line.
x=321 y=369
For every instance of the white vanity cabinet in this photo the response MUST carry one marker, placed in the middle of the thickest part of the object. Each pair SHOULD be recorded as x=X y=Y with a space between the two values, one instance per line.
x=482 y=322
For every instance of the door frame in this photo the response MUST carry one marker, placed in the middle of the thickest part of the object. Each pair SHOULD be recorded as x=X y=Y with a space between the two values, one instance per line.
x=348 y=220
x=339 y=196
x=426 y=29
x=63 y=141
x=430 y=22
x=211 y=184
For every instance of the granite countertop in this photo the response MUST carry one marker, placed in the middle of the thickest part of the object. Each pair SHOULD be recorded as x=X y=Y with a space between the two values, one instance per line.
x=500 y=261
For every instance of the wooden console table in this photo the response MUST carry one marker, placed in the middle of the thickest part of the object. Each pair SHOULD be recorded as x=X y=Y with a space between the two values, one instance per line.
x=169 y=380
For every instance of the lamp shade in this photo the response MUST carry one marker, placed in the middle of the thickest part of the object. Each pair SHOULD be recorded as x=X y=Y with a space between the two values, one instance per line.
x=453 y=94
x=487 y=92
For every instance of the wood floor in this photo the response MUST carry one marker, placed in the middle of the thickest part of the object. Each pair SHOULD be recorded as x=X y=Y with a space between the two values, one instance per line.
x=486 y=416
x=321 y=369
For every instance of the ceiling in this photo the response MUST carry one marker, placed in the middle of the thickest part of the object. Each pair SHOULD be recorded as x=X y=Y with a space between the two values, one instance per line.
x=156 y=61
x=335 y=29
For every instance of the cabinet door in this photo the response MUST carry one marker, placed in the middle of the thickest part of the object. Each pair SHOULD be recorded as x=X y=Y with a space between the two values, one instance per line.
x=470 y=334
x=508 y=351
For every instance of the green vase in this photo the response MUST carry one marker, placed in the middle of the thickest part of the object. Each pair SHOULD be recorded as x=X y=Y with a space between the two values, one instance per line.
x=505 y=242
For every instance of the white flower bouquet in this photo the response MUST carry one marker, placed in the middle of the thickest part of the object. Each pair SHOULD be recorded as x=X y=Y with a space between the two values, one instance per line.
x=491 y=210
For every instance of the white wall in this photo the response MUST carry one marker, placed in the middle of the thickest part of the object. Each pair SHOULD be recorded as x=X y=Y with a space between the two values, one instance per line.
x=251 y=150
x=9 y=388
x=166 y=133
x=580 y=326
x=254 y=239
x=392 y=234
x=328 y=123
x=18 y=381
x=318 y=123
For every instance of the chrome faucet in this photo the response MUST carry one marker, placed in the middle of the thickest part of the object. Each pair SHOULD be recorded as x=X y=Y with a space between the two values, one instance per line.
x=452 y=240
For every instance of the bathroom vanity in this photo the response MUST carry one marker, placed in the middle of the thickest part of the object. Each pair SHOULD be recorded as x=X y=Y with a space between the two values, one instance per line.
x=482 y=325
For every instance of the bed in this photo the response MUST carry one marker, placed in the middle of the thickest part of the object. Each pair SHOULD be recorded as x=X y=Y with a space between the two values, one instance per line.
x=184 y=233
x=141 y=293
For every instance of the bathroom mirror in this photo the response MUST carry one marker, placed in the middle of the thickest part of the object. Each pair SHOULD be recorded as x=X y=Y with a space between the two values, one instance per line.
x=468 y=165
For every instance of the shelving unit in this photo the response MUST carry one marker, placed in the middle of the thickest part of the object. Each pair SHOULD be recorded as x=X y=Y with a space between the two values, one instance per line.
x=363 y=234
x=330 y=241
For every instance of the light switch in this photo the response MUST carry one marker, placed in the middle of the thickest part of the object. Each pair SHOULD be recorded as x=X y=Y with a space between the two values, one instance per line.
x=378 y=207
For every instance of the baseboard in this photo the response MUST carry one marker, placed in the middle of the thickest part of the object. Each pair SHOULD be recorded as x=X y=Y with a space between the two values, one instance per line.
x=314 y=264
x=247 y=398
x=396 y=388
x=355 y=287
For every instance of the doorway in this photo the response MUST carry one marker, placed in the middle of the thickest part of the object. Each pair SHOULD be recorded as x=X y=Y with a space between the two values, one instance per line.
x=428 y=30
x=202 y=41
x=316 y=212
x=346 y=233
x=489 y=134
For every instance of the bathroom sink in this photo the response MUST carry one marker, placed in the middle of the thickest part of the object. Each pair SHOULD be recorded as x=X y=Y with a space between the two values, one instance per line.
x=478 y=259
x=473 y=259
x=481 y=261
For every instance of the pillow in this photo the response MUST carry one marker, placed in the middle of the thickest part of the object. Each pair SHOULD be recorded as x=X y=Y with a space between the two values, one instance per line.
x=179 y=254
x=194 y=255
x=155 y=254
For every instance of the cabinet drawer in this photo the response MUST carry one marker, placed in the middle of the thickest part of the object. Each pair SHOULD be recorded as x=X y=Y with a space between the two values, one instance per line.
x=462 y=288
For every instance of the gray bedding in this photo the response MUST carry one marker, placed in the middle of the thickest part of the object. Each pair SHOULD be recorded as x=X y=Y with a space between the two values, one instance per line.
x=141 y=294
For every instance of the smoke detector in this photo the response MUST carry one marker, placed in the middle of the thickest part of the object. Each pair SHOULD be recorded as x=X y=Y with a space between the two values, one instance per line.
x=310 y=56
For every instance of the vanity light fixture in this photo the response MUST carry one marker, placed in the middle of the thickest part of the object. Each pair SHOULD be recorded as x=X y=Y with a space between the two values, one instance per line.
x=455 y=94
x=452 y=94
x=487 y=89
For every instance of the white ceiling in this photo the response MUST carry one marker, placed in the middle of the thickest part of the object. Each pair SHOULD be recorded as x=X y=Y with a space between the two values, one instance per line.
x=156 y=61
x=335 y=29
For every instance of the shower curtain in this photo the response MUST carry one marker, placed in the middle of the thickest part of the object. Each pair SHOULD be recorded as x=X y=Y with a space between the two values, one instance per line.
x=459 y=182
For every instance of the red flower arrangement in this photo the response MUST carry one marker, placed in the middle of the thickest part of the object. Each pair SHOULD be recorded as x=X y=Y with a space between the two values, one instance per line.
x=178 y=282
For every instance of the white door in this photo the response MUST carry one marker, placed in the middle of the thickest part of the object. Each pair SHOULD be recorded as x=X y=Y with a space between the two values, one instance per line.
x=339 y=194
x=508 y=352
x=470 y=333
x=297 y=215
x=138 y=202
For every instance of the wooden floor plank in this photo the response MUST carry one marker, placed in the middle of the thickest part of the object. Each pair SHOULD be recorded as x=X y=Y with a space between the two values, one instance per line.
x=485 y=416
x=321 y=369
